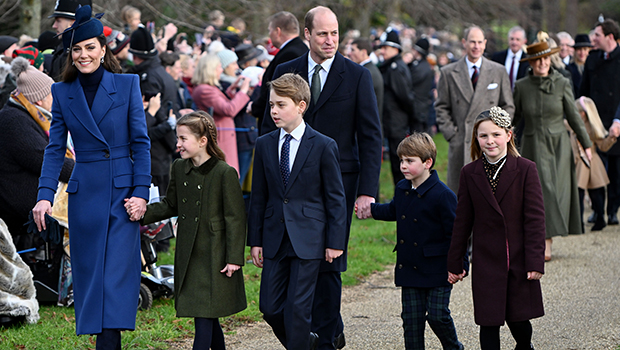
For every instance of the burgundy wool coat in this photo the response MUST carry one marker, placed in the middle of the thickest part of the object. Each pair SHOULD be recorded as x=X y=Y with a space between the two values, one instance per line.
x=508 y=240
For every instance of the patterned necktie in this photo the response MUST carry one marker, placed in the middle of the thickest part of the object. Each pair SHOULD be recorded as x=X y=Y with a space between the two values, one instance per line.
x=316 y=83
x=474 y=77
x=512 y=69
x=284 y=159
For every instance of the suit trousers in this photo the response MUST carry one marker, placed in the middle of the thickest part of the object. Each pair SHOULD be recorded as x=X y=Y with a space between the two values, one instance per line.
x=286 y=293
x=612 y=163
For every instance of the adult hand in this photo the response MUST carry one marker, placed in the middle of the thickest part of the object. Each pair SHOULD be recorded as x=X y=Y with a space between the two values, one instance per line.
x=169 y=31
x=453 y=278
x=136 y=207
x=229 y=269
x=331 y=254
x=245 y=85
x=154 y=104
x=534 y=275
x=363 y=206
x=614 y=130
x=588 y=153
x=38 y=213
x=257 y=256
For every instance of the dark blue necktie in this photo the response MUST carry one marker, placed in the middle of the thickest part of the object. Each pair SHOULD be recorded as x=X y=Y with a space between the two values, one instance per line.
x=284 y=159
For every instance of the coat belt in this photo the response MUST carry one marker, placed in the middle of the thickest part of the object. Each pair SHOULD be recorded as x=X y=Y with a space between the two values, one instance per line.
x=103 y=154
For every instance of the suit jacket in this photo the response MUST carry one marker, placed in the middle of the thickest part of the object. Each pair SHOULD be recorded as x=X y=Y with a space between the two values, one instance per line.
x=500 y=57
x=575 y=76
x=295 y=48
x=508 y=240
x=423 y=78
x=312 y=207
x=112 y=163
x=377 y=84
x=458 y=105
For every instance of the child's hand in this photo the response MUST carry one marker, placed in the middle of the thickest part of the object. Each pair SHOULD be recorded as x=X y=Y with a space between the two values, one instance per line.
x=534 y=275
x=136 y=207
x=362 y=207
x=453 y=278
x=331 y=254
x=229 y=269
x=257 y=256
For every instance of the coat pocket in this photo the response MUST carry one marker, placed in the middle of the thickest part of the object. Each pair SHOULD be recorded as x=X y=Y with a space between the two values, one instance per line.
x=217 y=225
x=72 y=186
x=436 y=250
x=314 y=213
x=121 y=181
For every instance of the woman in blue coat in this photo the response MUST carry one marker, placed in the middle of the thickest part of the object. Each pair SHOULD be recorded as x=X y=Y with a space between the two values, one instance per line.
x=103 y=112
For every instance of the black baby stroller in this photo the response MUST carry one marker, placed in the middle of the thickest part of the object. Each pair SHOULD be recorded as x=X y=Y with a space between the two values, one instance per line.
x=157 y=281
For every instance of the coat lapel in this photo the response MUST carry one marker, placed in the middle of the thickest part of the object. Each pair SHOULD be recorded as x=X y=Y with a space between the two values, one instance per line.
x=104 y=97
x=463 y=79
x=507 y=177
x=481 y=88
x=481 y=181
x=80 y=110
x=307 y=141
x=334 y=78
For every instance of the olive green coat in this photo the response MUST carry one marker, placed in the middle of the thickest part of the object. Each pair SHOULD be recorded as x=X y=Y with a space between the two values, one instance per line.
x=542 y=102
x=211 y=233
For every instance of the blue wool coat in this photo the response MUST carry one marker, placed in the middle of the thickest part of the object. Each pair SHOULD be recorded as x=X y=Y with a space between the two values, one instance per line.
x=424 y=217
x=112 y=163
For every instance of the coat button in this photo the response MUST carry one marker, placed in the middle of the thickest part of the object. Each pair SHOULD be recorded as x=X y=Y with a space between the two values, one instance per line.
x=199 y=187
x=185 y=183
x=402 y=217
x=415 y=244
x=415 y=267
x=415 y=220
x=107 y=154
x=184 y=200
x=196 y=219
x=198 y=203
x=402 y=241
x=406 y=193
x=419 y=195
x=400 y=266
x=183 y=216
x=285 y=200
x=282 y=220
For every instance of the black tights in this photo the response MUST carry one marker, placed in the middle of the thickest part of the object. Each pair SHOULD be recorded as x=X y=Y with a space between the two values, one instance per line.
x=521 y=332
x=208 y=335
x=109 y=339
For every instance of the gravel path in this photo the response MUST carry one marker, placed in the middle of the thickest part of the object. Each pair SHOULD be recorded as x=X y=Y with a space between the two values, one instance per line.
x=580 y=289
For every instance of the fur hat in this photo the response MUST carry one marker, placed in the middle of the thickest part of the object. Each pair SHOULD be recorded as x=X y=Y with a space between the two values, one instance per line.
x=115 y=40
x=84 y=27
x=226 y=57
x=390 y=38
x=6 y=41
x=34 y=56
x=67 y=8
x=32 y=83
x=141 y=44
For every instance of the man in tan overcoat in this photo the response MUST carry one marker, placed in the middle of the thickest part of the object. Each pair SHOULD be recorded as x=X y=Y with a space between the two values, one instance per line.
x=459 y=102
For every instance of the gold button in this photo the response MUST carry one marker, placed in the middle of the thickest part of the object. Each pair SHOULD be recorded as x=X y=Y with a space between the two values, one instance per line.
x=402 y=241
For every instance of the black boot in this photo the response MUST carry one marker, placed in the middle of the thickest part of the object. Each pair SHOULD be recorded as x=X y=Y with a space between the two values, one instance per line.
x=613 y=219
x=599 y=224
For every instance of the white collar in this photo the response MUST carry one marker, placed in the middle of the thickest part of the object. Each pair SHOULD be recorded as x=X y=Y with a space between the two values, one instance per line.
x=470 y=65
x=326 y=65
x=297 y=133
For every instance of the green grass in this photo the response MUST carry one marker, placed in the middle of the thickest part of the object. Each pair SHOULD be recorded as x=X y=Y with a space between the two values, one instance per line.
x=370 y=250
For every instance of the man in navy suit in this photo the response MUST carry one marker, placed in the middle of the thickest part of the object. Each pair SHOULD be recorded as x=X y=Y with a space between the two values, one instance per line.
x=284 y=34
x=297 y=213
x=511 y=56
x=343 y=107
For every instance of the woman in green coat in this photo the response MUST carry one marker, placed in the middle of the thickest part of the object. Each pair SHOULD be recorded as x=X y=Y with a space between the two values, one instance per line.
x=204 y=193
x=542 y=99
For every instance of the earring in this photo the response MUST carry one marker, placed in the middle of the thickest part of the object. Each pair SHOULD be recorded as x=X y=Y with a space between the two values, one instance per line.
x=73 y=63
x=101 y=59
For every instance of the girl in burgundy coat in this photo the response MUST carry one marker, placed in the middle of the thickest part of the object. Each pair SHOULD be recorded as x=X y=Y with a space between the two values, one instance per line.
x=500 y=205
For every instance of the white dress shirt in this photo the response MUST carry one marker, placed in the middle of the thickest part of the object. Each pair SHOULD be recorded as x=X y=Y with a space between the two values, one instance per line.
x=470 y=66
x=508 y=62
x=294 y=143
x=327 y=65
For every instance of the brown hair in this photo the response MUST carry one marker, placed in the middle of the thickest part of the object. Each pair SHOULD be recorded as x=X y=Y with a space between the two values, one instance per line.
x=609 y=26
x=363 y=44
x=292 y=86
x=418 y=144
x=110 y=63
x=476 y=151
x=286 y=21
x=200 y=123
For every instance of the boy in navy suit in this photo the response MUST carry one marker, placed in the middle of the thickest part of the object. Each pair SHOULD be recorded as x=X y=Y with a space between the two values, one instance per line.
x=297 y=213
x=424 y=208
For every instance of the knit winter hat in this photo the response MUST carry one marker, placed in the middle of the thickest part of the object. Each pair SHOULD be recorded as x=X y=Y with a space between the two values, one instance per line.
x=115 y=40
x=6 y=41
x=227 y=57
x=32 y=83
x=30 y=53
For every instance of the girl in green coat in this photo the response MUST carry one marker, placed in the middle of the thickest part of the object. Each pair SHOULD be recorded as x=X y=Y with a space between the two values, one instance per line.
x=204 y=193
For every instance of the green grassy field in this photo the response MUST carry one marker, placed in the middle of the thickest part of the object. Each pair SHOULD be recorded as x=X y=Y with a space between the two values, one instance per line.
x=370 y=250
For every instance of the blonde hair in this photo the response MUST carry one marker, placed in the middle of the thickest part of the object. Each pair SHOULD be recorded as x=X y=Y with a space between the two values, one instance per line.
x=128 y=12
x=201 y=124
x=556 y=60
x=293 y=86
x=476 y=151
x=205 y=71
x=418 y=144
x=586 y=105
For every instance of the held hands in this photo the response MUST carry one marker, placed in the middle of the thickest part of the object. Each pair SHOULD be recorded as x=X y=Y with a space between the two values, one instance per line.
x=453 y=278
x=229 y=269
x=257 y=256
x=136 y=207
x=534 y=275
x=331 y=254
x=362 y=207
x=38 y=213
x=614 y=130
x=588 y=153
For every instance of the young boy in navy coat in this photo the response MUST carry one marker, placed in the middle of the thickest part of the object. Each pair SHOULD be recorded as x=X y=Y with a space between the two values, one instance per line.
x=424 y=208
x=297 y=213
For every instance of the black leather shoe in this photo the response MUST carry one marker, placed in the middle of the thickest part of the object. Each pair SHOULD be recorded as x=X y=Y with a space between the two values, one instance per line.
x=592 y=218
x=340 y=342
x=599 y=224
x=613 y=220
x=313 y=341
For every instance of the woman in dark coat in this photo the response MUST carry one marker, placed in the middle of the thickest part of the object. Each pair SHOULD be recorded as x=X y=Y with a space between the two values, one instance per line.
x=500 y=201
x=104 y=113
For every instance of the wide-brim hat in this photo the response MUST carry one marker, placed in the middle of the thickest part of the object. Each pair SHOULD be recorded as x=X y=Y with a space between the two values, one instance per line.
x=67 y=8
x=84 y=27
x=246 y=52
x=539 y=50
x=141 y=43
x=582 y=40
x=390 y=38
